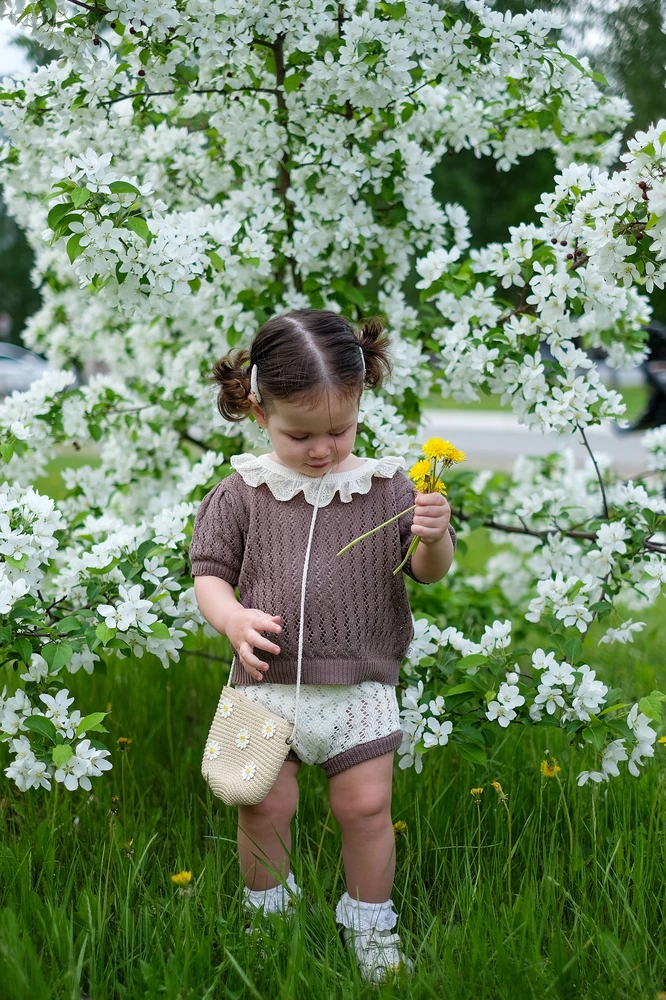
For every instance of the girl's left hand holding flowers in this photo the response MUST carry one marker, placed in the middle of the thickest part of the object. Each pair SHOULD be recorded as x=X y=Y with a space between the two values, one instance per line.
x=432 y=516
x=432 y=513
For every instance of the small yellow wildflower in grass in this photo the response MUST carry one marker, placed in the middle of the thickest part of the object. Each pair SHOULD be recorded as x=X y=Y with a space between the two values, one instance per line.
x=399 y=827
x=182 y=878
x=476 y=792
x=426 y=479
x=662 y=739
x=549 y=768
x=123 y=743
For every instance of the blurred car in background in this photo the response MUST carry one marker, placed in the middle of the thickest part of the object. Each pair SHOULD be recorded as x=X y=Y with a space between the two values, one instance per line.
x=18 y=368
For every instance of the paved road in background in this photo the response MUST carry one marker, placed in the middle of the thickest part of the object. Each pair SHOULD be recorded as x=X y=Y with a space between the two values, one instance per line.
x=494 y=440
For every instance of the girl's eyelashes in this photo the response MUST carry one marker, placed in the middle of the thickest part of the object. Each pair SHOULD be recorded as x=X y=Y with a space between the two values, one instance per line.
x=307 y=436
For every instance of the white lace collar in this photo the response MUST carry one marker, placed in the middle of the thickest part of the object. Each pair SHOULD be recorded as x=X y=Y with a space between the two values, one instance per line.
x=284 y=483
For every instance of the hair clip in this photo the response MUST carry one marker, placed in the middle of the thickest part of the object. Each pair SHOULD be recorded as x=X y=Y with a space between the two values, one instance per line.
x=253 y=383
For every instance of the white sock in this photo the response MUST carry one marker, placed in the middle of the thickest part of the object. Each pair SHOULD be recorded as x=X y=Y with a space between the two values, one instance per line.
x=273 y=900
x=361 y=916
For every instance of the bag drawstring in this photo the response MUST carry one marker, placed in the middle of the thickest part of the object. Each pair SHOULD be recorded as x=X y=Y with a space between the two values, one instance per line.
x=290 y=739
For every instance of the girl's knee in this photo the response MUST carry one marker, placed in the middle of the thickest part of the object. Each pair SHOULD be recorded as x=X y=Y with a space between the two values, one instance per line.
x=280 y=804
x=363 y=806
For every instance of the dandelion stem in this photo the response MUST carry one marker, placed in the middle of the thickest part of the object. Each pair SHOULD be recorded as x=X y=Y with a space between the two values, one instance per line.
x=372 y=530
x=412 y=548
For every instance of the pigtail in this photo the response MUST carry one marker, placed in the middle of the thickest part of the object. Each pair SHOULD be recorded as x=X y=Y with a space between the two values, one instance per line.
x=232 y=376
x=375 y=344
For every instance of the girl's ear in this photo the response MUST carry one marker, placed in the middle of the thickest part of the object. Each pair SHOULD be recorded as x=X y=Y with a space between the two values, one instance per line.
x=256 y=410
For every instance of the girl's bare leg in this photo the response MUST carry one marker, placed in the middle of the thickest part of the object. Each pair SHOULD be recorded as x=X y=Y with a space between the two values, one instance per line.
x=360 y=799
x=261 y=827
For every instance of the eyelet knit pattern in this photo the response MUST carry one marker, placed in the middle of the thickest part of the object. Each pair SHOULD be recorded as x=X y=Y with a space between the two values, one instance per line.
x=334 y=718
x=252 y=531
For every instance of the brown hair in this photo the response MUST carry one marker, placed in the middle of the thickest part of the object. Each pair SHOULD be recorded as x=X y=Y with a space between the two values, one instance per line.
x=303 y=354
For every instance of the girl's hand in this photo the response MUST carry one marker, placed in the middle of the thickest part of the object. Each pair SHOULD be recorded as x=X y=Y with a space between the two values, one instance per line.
x=431 y=517
x=244 y=633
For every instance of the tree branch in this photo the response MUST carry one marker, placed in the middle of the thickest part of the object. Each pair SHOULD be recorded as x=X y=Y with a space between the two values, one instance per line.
x=596 y=469
x=513 y=529
x=198 y=90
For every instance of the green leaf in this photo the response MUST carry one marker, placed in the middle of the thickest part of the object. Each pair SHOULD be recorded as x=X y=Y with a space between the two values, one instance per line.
x=470 y=733
x=61 y=753
x=600 y=78
x=24 y=648
x=104 y=633
x=394 y=10
x=473 y=754
x=95 y=431
x=465 y=688
x=292 y=82
x=215 y=260
x=123 y=187
x=91 y=723
x=57 y=213
x=69 y=624
x=596 y=735
x=74 y=249
x=41 y=725
x=160 y=631
x=474 y=660
x=651 y=705
x=57 y=654
x=573 y=650
x=140 y=227
x=79 y=197
x=576 y=63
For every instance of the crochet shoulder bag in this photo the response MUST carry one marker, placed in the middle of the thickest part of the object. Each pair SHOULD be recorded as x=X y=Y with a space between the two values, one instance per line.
x=247 y=745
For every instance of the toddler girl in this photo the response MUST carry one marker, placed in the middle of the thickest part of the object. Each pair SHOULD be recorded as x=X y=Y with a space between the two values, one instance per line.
x=307 y=371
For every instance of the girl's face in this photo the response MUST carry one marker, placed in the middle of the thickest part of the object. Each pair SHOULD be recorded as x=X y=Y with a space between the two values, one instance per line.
x=312 y=441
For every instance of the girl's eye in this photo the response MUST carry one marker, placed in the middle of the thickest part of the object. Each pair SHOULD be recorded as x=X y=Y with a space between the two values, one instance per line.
x=307 y=435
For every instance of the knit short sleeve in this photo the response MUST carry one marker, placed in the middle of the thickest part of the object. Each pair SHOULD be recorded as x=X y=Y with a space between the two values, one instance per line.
x=405 y=497
x=217 y=544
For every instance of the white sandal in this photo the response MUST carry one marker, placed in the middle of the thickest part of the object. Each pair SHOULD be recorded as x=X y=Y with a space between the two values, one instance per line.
x=378 y=953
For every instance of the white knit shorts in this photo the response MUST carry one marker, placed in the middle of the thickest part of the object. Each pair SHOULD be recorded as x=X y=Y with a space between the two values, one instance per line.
x=339 y=725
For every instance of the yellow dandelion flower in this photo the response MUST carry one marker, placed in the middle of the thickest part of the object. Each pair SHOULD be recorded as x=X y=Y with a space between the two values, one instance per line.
x=442 y=450
x=662 y=739
x=124 y=742
x=182 y=878
x=498 y=788
x=399 y=827
x=420 y=469
x=476 y=792
x=549 y=768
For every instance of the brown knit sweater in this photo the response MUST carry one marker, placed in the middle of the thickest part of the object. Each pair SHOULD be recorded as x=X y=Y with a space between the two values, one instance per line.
x=358 y=622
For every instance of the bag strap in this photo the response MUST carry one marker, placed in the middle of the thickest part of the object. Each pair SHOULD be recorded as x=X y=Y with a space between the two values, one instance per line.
x=300 y=627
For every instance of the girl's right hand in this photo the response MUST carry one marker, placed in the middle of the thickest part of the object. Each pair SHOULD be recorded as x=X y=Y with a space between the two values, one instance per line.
x=244 y=634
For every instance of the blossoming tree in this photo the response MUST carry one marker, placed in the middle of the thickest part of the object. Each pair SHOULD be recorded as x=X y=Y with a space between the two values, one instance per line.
x=187 y=168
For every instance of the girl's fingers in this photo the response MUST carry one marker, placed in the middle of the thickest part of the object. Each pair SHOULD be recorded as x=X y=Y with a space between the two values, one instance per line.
x=263 y=642
x=268 y=623
x=252 y=664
